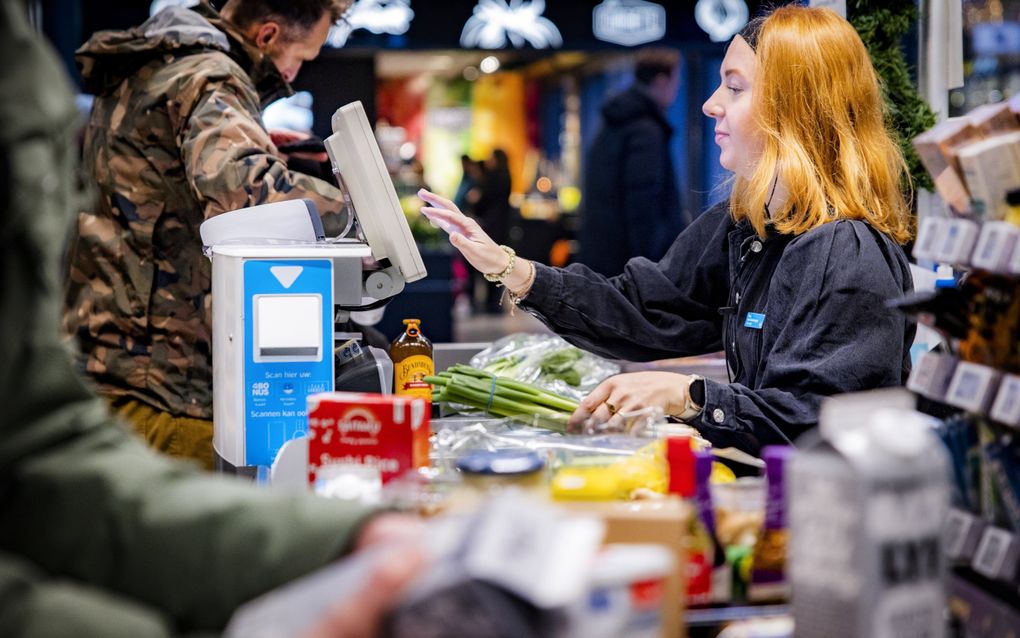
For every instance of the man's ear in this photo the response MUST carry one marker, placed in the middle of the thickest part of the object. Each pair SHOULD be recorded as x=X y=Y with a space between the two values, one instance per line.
x=267 y=34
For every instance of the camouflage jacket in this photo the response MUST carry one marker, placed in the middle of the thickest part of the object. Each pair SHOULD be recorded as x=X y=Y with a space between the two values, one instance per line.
x=175 y=137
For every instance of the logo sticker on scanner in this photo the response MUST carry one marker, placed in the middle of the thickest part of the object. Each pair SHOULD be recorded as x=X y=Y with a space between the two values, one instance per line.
x=754 y=320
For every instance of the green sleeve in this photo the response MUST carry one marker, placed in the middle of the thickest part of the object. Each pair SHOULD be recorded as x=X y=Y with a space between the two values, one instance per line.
x=80 y=498
x=35 y=606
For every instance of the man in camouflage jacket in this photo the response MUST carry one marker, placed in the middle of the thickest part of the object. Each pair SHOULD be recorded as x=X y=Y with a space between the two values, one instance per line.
x=176 y=137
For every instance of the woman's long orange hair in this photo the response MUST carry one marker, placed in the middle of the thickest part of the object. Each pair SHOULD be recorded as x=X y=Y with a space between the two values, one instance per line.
x=818 y=103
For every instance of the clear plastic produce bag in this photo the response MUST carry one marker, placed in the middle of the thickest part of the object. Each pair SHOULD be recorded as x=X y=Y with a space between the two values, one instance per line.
x=546 y=361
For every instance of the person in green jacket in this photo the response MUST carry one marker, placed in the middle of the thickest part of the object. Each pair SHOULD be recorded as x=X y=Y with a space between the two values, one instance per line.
x=98 y=535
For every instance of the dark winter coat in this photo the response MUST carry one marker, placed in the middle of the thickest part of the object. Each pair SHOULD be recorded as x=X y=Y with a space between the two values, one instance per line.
x=631 y=206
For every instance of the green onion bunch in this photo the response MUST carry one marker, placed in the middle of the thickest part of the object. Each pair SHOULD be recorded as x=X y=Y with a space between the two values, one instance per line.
x=501 y=396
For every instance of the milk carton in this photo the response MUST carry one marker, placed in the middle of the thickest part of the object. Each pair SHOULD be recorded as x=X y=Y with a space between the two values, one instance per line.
x=868 y=501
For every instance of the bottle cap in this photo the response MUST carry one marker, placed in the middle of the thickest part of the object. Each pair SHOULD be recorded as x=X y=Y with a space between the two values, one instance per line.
x=1013 y=197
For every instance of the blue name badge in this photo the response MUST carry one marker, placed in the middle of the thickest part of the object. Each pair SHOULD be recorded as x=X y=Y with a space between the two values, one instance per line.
x=754 y=320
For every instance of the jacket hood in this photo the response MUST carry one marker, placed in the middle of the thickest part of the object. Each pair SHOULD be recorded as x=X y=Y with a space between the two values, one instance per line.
x=111 y=56
x=631 y=105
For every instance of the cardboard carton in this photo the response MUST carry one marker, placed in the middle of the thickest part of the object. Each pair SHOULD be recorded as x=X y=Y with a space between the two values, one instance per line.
x=383 y=431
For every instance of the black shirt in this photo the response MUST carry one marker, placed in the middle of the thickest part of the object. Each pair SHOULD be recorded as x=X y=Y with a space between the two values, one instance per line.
x=800 y=318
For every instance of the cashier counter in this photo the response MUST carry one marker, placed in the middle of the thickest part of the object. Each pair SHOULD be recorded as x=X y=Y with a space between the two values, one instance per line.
x=279 y=287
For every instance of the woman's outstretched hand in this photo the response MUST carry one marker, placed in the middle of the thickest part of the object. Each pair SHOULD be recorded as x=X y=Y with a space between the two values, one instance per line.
x=465 y=233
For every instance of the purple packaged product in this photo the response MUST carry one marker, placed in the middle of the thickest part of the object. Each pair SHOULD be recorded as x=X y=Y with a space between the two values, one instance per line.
x=768 y=571
x=775 y=457
x=702 y=476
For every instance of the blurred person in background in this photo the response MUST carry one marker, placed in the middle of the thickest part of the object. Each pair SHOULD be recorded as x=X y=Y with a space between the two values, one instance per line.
x=100 y=536
x=176 y=137
x=472 y=173
x=492 y=210
x=631 y=205
x=789 y=276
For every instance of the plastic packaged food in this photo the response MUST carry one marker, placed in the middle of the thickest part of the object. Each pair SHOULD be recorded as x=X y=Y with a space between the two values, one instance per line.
x=546 y=361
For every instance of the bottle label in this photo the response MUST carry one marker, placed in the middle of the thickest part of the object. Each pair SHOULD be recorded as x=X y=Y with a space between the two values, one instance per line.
x=409 y=376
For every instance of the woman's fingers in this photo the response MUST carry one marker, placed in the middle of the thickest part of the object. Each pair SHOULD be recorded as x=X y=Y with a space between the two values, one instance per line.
x=451 y=223
x=437 y=200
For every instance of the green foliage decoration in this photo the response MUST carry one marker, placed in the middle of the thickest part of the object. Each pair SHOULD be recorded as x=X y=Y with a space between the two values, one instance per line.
x=882 y=25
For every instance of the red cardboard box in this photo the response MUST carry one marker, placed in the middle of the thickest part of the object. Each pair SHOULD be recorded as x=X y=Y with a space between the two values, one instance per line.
x=384 y=431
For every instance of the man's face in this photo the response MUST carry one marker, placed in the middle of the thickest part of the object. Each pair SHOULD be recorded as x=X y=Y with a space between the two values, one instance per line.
x=289 y=47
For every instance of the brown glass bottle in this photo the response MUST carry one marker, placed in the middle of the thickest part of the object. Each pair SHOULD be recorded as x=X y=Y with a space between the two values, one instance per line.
x=412 y=362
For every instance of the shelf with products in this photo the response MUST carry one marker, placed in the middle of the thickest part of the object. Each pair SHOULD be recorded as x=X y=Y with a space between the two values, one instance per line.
x=990 y=246
x=974 y=384
x=972 y=387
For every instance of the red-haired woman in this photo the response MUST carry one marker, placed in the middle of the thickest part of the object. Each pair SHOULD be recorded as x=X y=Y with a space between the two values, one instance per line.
x=789 y=276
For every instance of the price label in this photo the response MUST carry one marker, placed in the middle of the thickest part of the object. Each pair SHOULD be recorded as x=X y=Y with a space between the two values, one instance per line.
x=961 y=535
x=929 y=236
x=1006 y=408
x=957 y=242
x=931 y=376
x=995 y=246
x=972 y=387
x=1014 y=262
x=997 y=554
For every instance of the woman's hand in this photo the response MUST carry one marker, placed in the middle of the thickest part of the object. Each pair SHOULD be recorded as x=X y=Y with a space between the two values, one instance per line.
x=630 y=392
x=465 y=233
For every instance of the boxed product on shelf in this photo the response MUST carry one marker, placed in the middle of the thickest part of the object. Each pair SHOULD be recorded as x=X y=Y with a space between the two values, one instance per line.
x=1006 y=408
x=973 y=387
x=937 y=149
x=929 y=237
x=995 y=246
x=963 y=532
x=991 y=168
x=931 y=376
x=998 y=555
x=957 y=241
x=994 y=118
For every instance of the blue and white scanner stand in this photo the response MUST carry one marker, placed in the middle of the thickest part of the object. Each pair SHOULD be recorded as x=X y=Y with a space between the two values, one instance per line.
x=278 y=285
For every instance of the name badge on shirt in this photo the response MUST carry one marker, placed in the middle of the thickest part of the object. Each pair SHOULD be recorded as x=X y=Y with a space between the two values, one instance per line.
x=754 y=320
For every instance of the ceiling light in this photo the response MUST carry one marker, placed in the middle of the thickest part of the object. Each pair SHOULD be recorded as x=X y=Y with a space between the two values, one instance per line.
x=489 y=64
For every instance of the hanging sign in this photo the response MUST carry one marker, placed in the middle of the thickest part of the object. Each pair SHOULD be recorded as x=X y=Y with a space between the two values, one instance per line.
x=629 y=22
x=721 y=19
x=493 y=22
x=378 y=16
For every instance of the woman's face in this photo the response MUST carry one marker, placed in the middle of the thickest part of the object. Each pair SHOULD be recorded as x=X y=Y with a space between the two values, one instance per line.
x=738 y=137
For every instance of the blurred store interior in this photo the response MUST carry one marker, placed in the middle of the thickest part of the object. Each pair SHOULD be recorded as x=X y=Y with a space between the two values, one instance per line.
x=442 y=80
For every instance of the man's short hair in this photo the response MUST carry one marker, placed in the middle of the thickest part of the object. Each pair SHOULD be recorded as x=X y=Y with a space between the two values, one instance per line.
x=652 y=62
x=302 y=14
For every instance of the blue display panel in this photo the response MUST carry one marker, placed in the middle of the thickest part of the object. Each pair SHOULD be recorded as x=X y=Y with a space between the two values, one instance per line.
x=288 y=349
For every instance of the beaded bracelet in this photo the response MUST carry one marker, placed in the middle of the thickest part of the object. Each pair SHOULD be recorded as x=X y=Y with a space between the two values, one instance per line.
x=497 y=277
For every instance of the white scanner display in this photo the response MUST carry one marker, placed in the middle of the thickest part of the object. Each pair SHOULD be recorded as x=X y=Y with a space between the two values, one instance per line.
x=278 y=284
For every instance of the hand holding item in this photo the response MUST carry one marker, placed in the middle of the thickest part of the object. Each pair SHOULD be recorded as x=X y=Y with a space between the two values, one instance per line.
x=390 y=527
x=361 y=615
x=297 y=144
x=633 y=391
x=477 y=247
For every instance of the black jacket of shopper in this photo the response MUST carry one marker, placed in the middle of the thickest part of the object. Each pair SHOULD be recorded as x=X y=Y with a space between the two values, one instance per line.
x=788 y=310
x=631 y=206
